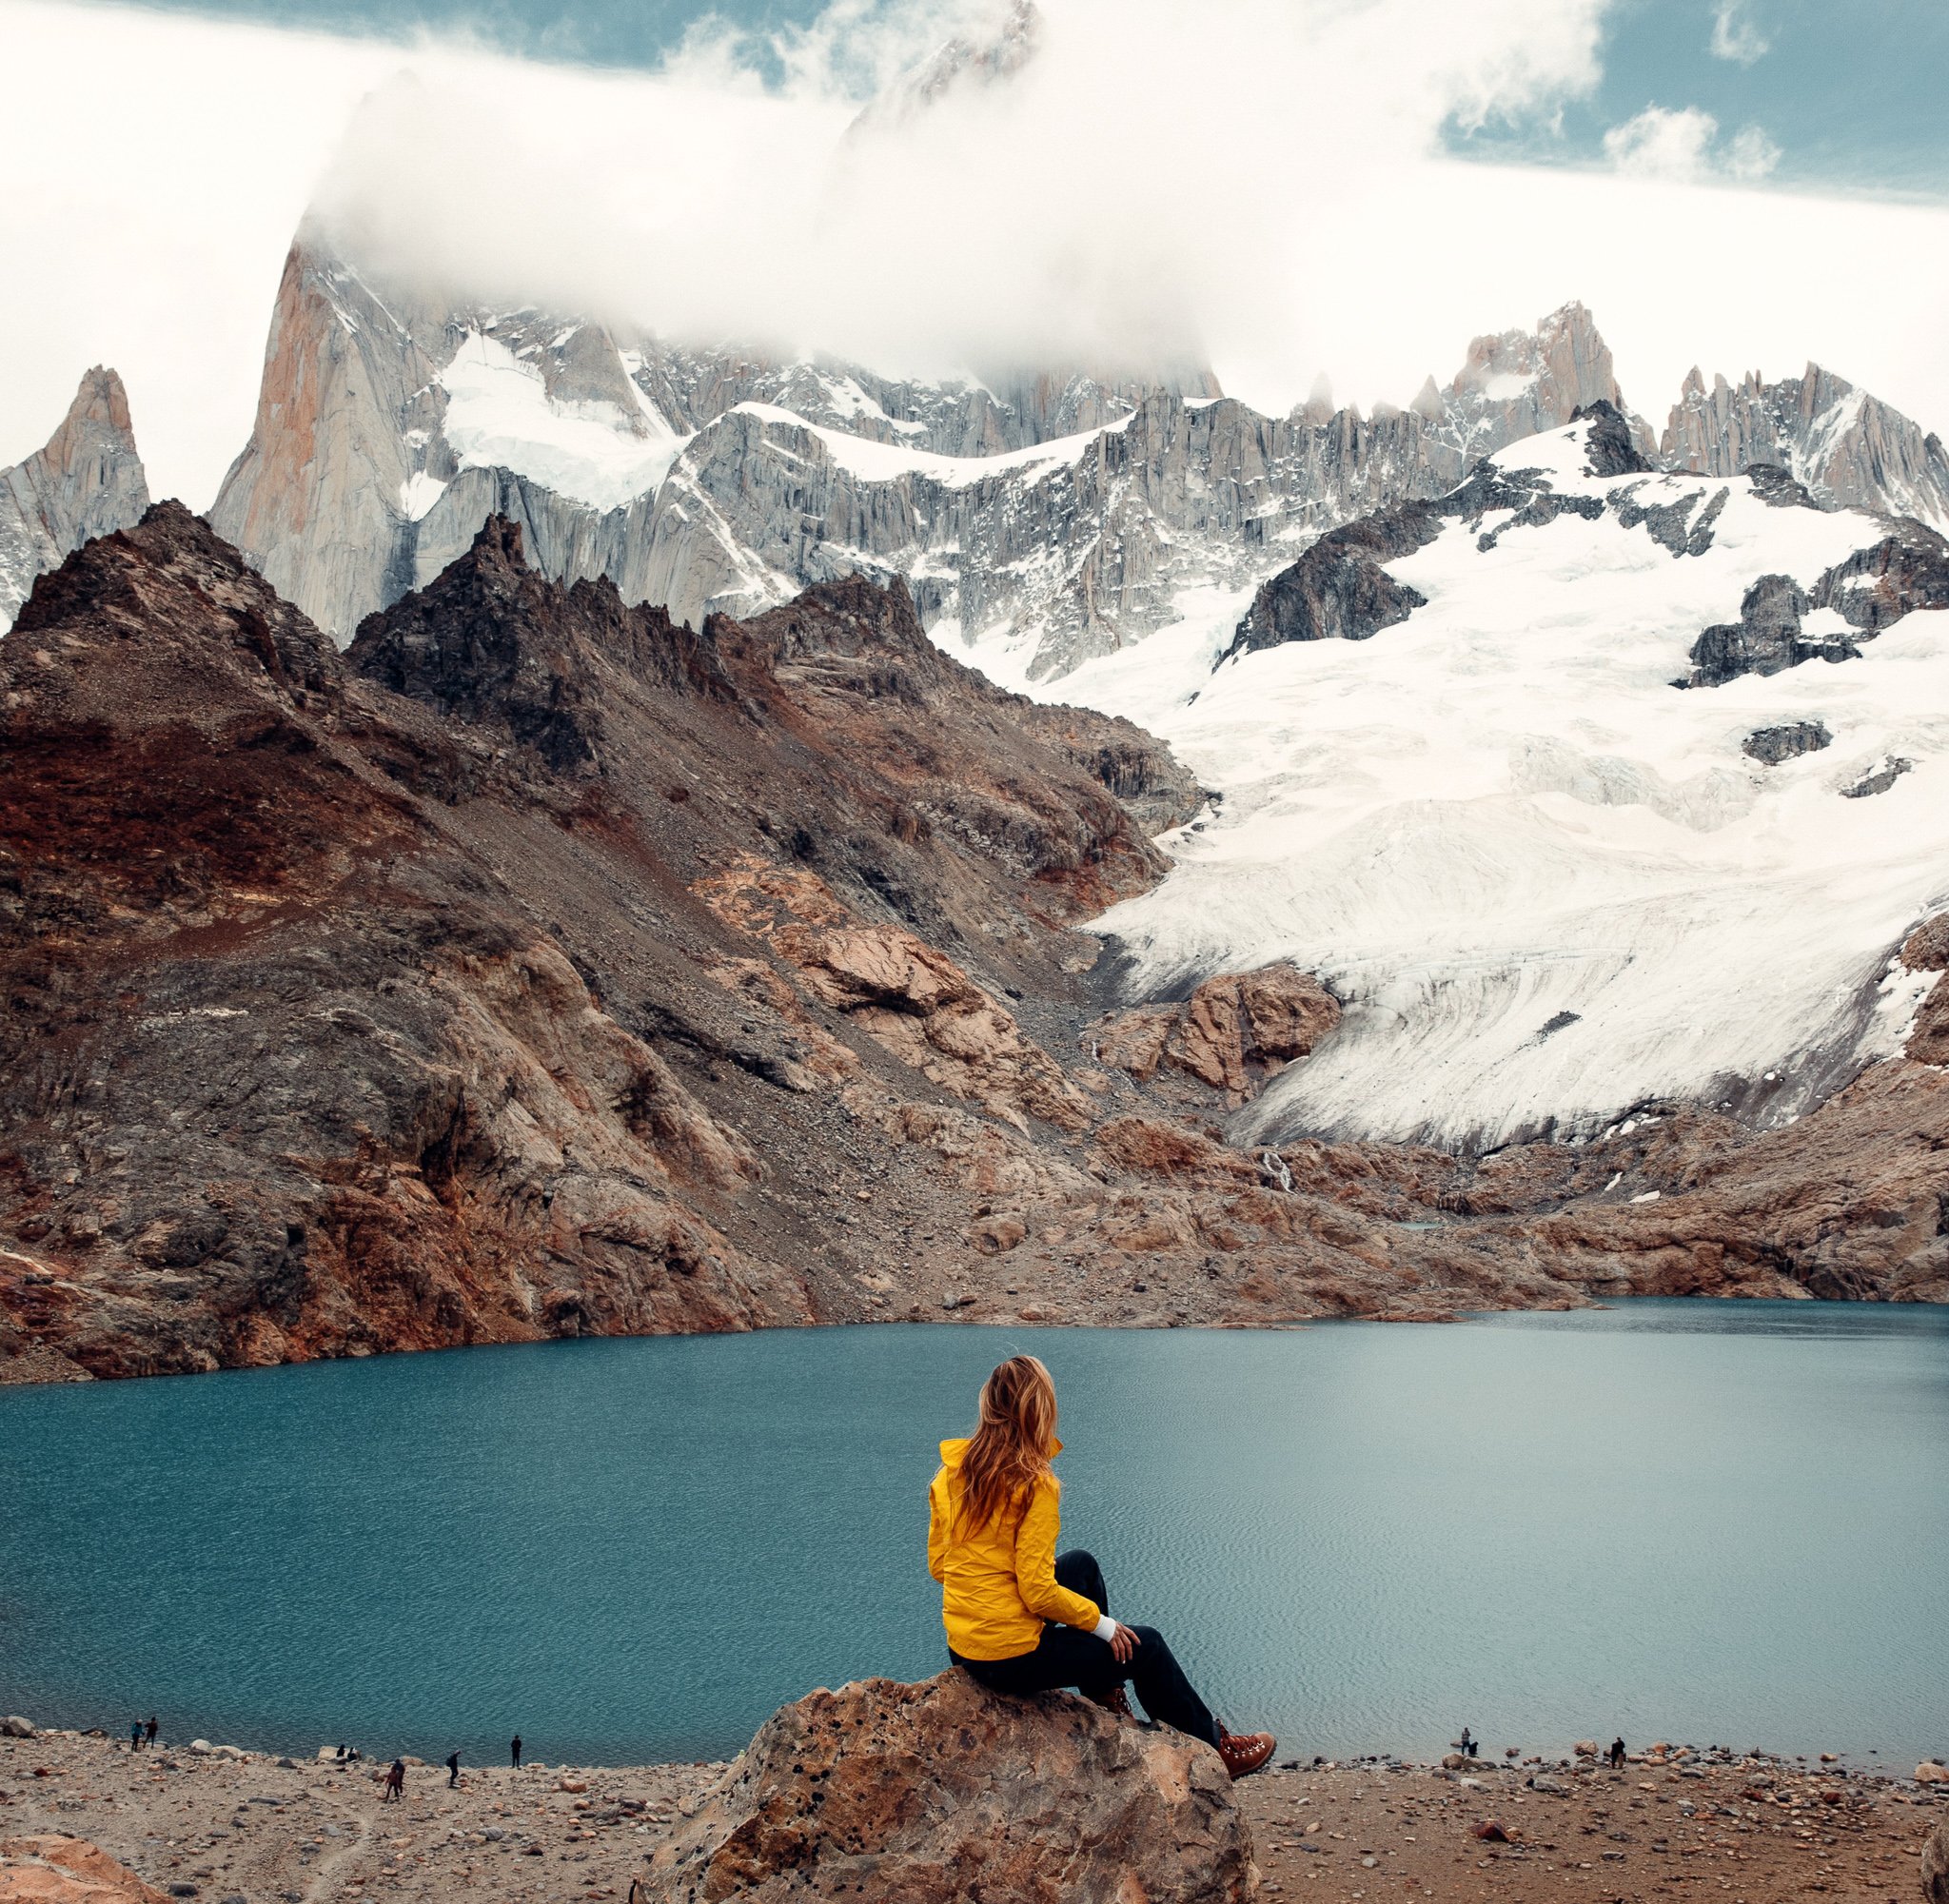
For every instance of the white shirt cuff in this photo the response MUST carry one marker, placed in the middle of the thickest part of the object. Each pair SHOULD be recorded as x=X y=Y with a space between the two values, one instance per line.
x=1106 y=1628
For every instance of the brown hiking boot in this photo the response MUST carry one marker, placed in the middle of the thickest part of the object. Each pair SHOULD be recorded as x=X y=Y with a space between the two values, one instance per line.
x=1116 y=1700
x=1245 y=1752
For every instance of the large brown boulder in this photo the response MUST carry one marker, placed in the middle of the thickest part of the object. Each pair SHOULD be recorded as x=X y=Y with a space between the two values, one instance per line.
x=47 y=1868
x=940 y=1792
x=1935 y=1865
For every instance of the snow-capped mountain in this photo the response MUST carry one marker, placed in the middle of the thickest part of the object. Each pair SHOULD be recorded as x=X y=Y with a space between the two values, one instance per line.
x=1587 y=785
x=86 y=482
x=1844 y=444
x=1060 y=513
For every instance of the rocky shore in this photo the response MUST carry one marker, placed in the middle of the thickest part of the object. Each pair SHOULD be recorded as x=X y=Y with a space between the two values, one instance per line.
x=1675 y=1822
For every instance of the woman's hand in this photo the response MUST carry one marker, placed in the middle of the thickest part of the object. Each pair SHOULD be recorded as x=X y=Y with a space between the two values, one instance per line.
x=1124 y=1645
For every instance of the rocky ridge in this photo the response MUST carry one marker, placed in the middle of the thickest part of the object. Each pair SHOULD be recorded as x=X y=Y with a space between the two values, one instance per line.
x=1846 y=446
x=1340 y=590
x=86 y=481
x=1068 y=504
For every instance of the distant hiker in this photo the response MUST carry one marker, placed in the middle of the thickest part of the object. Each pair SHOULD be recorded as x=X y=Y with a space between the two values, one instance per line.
x=453 y=1769
x=135 y=1736
x=1020 y=1619
x=1467 y=1744
x=1617 y=1754
x=149 y=1730
x=395 y=1783
x=515 y=1751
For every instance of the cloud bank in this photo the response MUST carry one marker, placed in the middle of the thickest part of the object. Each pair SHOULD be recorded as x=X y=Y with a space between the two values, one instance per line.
x=1261 y=183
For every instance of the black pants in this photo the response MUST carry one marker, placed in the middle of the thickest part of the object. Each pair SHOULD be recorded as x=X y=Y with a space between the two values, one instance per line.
x=1065 y=1657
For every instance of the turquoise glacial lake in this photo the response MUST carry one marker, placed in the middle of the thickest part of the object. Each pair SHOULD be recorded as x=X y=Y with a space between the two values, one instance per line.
x=1720 y=1522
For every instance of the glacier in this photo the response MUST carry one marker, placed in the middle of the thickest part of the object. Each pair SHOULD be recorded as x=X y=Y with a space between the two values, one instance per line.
x=1547 y=884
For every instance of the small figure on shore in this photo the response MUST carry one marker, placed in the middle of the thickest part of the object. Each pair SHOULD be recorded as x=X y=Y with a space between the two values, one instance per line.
x=515 y=1751
x=1617 y=1754
x=1467 y=1744
x=395 y=1783
x=453 y=1769
x=149 y=1730
x=135 y=1736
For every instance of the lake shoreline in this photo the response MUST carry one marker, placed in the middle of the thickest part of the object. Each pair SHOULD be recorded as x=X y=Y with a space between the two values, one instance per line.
x=27 y=1369
x=254 y=1825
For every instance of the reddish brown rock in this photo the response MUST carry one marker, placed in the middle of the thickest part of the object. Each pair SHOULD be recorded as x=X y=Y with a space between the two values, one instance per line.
x=937 y=1793
x=1232 y=1031
x=46 y=1868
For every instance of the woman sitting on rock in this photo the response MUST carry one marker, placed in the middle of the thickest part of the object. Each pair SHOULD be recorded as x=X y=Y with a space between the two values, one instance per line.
x=1019 y=1619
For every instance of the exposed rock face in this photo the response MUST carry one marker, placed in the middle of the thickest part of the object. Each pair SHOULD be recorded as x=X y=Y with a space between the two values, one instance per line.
x=1845 y=445
x=938 y=1792
x=1789 y=742
x=744 y=479
x=1516 y=384
x=86 y=482
x=1233 y=1030
x=1908 y=569
x=46 y=1868
x=406 y=980
x=1340 y=590
x=1764 y=639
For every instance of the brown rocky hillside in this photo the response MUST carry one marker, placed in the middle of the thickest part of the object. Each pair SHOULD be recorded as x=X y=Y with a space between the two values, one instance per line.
x=540 y=968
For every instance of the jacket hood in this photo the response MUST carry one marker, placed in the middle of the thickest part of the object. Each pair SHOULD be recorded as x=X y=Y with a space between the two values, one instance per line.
x=952 y=1451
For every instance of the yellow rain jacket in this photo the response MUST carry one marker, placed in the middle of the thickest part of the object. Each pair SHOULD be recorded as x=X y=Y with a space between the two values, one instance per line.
x=999 y=1581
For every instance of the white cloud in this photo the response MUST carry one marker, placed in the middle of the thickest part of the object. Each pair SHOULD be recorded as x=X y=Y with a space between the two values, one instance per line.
x=1661 y=143
x=1116 y=200
x=1736 y=35
x=1751 y=154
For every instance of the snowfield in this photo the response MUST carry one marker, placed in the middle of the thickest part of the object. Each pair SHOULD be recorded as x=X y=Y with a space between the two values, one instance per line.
x=498 y=413
x=1546 y=884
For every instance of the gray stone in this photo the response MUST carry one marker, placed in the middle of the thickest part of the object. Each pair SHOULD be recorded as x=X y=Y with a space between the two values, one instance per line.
x=1839 y=444
x=1771 y=745
x=1935 y=1865
x=86 y=482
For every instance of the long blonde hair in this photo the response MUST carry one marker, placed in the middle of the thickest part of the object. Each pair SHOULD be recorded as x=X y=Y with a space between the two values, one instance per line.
x=1010 y=1447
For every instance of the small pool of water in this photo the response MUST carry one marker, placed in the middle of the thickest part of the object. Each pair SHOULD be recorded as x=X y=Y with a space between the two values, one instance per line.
x=1721 y=1523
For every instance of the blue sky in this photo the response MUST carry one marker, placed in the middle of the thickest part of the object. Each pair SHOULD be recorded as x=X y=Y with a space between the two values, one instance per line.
x=1850 y=92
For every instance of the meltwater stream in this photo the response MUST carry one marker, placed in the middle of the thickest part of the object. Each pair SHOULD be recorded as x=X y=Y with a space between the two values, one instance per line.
x=1721 y=1523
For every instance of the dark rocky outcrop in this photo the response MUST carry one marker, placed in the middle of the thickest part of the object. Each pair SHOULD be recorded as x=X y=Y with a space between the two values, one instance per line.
x=940 y=1792
x=1878 y=778
x=1337 y=590
x=1672 y=525
x=1789 y=742
x=1765 y=638
x=1908 y=569
x=1874 y=587
x=1608 y=443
